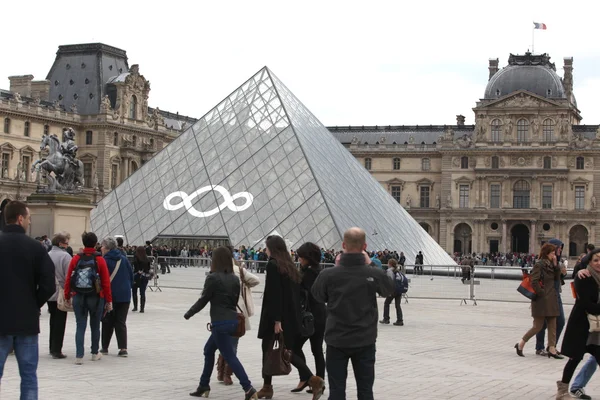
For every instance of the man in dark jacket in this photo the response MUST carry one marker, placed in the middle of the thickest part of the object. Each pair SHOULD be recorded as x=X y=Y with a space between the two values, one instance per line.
x=26 y=283
x=560 y=321
x=350 y=292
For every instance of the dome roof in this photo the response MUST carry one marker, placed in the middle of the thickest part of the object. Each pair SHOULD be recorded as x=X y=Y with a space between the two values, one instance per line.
x=533 y=73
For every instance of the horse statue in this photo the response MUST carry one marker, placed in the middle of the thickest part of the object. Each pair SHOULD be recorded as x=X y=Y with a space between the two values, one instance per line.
x=68 y=174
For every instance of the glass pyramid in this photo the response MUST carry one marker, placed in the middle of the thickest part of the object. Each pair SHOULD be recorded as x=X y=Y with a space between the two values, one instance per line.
x=257 y=163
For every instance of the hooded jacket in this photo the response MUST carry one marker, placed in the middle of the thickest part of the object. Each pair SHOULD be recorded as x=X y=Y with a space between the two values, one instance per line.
x=123 y=280
x=558 y=243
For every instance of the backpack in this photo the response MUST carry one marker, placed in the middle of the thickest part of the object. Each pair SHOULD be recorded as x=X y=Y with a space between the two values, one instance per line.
x=85 y=278
x=401 y=282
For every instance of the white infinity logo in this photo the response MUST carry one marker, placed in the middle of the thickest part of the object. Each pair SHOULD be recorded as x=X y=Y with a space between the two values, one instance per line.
x=186 y=201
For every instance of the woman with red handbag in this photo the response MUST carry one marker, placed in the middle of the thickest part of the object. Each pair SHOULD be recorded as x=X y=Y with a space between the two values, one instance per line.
x=222 y=290
x=545 y=306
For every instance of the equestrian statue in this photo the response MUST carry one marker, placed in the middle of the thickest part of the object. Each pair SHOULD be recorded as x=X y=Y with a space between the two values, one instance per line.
x=62 y=160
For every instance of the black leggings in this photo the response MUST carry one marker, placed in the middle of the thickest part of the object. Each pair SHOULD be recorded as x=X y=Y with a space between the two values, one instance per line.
x=316 y=346
x=297 y=361
x=572 y=364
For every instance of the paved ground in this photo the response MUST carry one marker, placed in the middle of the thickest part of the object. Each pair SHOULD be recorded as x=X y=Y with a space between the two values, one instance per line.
x=445 y=351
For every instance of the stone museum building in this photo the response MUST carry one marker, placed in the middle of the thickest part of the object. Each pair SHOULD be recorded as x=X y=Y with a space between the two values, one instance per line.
x=93 y=89
x=527 y=171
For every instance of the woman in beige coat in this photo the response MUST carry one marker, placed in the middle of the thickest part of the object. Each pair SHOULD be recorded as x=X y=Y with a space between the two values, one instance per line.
x=246 y=305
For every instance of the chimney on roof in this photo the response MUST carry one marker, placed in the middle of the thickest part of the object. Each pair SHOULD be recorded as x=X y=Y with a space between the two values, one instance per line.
x=493 y=67
x=21 y=84
x=568 y=78
x=460 y=120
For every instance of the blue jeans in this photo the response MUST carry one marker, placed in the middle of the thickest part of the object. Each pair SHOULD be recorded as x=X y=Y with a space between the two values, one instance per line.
x=560 y=324
x=363 y=363
x=27 y=354
x=221 y=339
x=585 y=374
x=84 y=305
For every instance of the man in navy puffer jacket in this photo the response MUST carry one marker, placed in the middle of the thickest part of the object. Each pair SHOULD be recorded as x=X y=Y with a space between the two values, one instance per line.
x=121 y=281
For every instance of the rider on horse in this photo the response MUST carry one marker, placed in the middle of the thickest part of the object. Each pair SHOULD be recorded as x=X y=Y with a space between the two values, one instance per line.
x=68 y=147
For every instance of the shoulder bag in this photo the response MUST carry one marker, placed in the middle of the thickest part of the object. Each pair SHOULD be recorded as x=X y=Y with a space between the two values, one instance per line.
x=526 y=288
x=114 y=273
x=61 y=303
x=246 y=293
x=307 y=322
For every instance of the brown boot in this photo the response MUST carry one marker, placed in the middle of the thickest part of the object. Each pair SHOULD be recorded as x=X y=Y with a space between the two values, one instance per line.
x=220 y=368
x=266 y=392
x=317 y=385
x=563 y=391
x=227 y=376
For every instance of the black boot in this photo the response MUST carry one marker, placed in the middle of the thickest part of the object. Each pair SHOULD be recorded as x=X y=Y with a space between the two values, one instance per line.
x=142 y=304
x=135 y=302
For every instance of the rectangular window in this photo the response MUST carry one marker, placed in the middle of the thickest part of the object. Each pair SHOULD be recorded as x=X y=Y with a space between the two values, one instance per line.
x=26 y=128
x=88 y=137
x=46 y=130
x=494 y=245
x=579 y=197
x=113 y=176
x=495 y=162
x=463 y=196
x=5 y=163
x=495 y=196
x=396 y=192
x=547 y=197
x=87 y=174
x=425 y=164
x=424 y=198
x=26 y=167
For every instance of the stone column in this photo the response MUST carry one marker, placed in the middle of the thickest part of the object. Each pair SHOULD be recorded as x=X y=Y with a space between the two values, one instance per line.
x=504 y=247
x=532 y=237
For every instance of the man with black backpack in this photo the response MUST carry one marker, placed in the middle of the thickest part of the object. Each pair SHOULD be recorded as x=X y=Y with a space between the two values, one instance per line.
x=88 y=284
x=26 y=283
x=400 y=287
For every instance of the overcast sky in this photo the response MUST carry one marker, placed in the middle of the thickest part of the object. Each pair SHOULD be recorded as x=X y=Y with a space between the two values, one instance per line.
x=351 y=63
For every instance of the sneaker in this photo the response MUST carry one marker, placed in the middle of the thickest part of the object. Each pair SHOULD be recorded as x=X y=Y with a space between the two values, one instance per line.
x=384 y=321
x=541 y=353
x=579 y=394
x=96 y=357
x=104 y=351
x=78 y=361
x=399 y=323
x=123 y=353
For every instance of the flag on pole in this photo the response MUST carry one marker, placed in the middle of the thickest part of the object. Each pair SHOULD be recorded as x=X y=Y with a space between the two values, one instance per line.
x=539 y=25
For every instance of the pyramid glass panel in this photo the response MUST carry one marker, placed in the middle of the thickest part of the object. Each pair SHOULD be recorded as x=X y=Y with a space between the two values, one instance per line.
x=259 y=162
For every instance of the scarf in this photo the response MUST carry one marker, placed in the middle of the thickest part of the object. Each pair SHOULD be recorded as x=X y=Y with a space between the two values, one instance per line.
x=595 y=274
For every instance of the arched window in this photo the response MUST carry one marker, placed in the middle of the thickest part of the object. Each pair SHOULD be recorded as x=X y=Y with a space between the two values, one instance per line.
x=495 y=162
x=396 y=163
x=133 y=107
x=522 y=130
x=464 y=162
x=425 y=164
x=26 y=129
x=521 y=193
x=6 y=125
x=548 y=130
x=116 y=139
x=496 y=128
x=134 y=141
x=547 y=162
x=580 y=162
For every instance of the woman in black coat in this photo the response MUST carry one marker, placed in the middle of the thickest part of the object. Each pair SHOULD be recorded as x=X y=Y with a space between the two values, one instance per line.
x=578 y=340
x=309 y=256
x=280 y=313
x=141 y=275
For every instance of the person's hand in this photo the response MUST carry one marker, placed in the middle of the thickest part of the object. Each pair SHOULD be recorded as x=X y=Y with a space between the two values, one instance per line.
x=583 y=273
x=278 y=328
x=108 y=307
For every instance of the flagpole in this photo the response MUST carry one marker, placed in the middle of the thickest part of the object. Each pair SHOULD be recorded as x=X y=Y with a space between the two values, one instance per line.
x=533 y=39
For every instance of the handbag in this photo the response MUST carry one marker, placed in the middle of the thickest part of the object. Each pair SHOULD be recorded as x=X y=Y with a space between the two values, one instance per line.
x=61 y=303
x=594 y=321
x=241 y=325
x=526 y=288
x=307 y=322
x=278 y=358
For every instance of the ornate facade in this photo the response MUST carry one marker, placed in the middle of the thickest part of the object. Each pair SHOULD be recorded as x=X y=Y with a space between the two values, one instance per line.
x=92 y=89
x=527 y=171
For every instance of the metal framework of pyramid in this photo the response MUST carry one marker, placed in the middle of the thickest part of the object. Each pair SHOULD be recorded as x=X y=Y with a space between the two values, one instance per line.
x=260 y=162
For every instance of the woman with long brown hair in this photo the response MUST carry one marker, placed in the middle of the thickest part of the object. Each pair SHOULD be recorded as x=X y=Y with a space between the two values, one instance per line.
x=545 y=307
x=141 y=274
x=280 y=313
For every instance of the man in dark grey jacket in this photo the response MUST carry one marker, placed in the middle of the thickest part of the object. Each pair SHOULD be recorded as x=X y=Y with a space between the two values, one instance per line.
x=350 y=292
